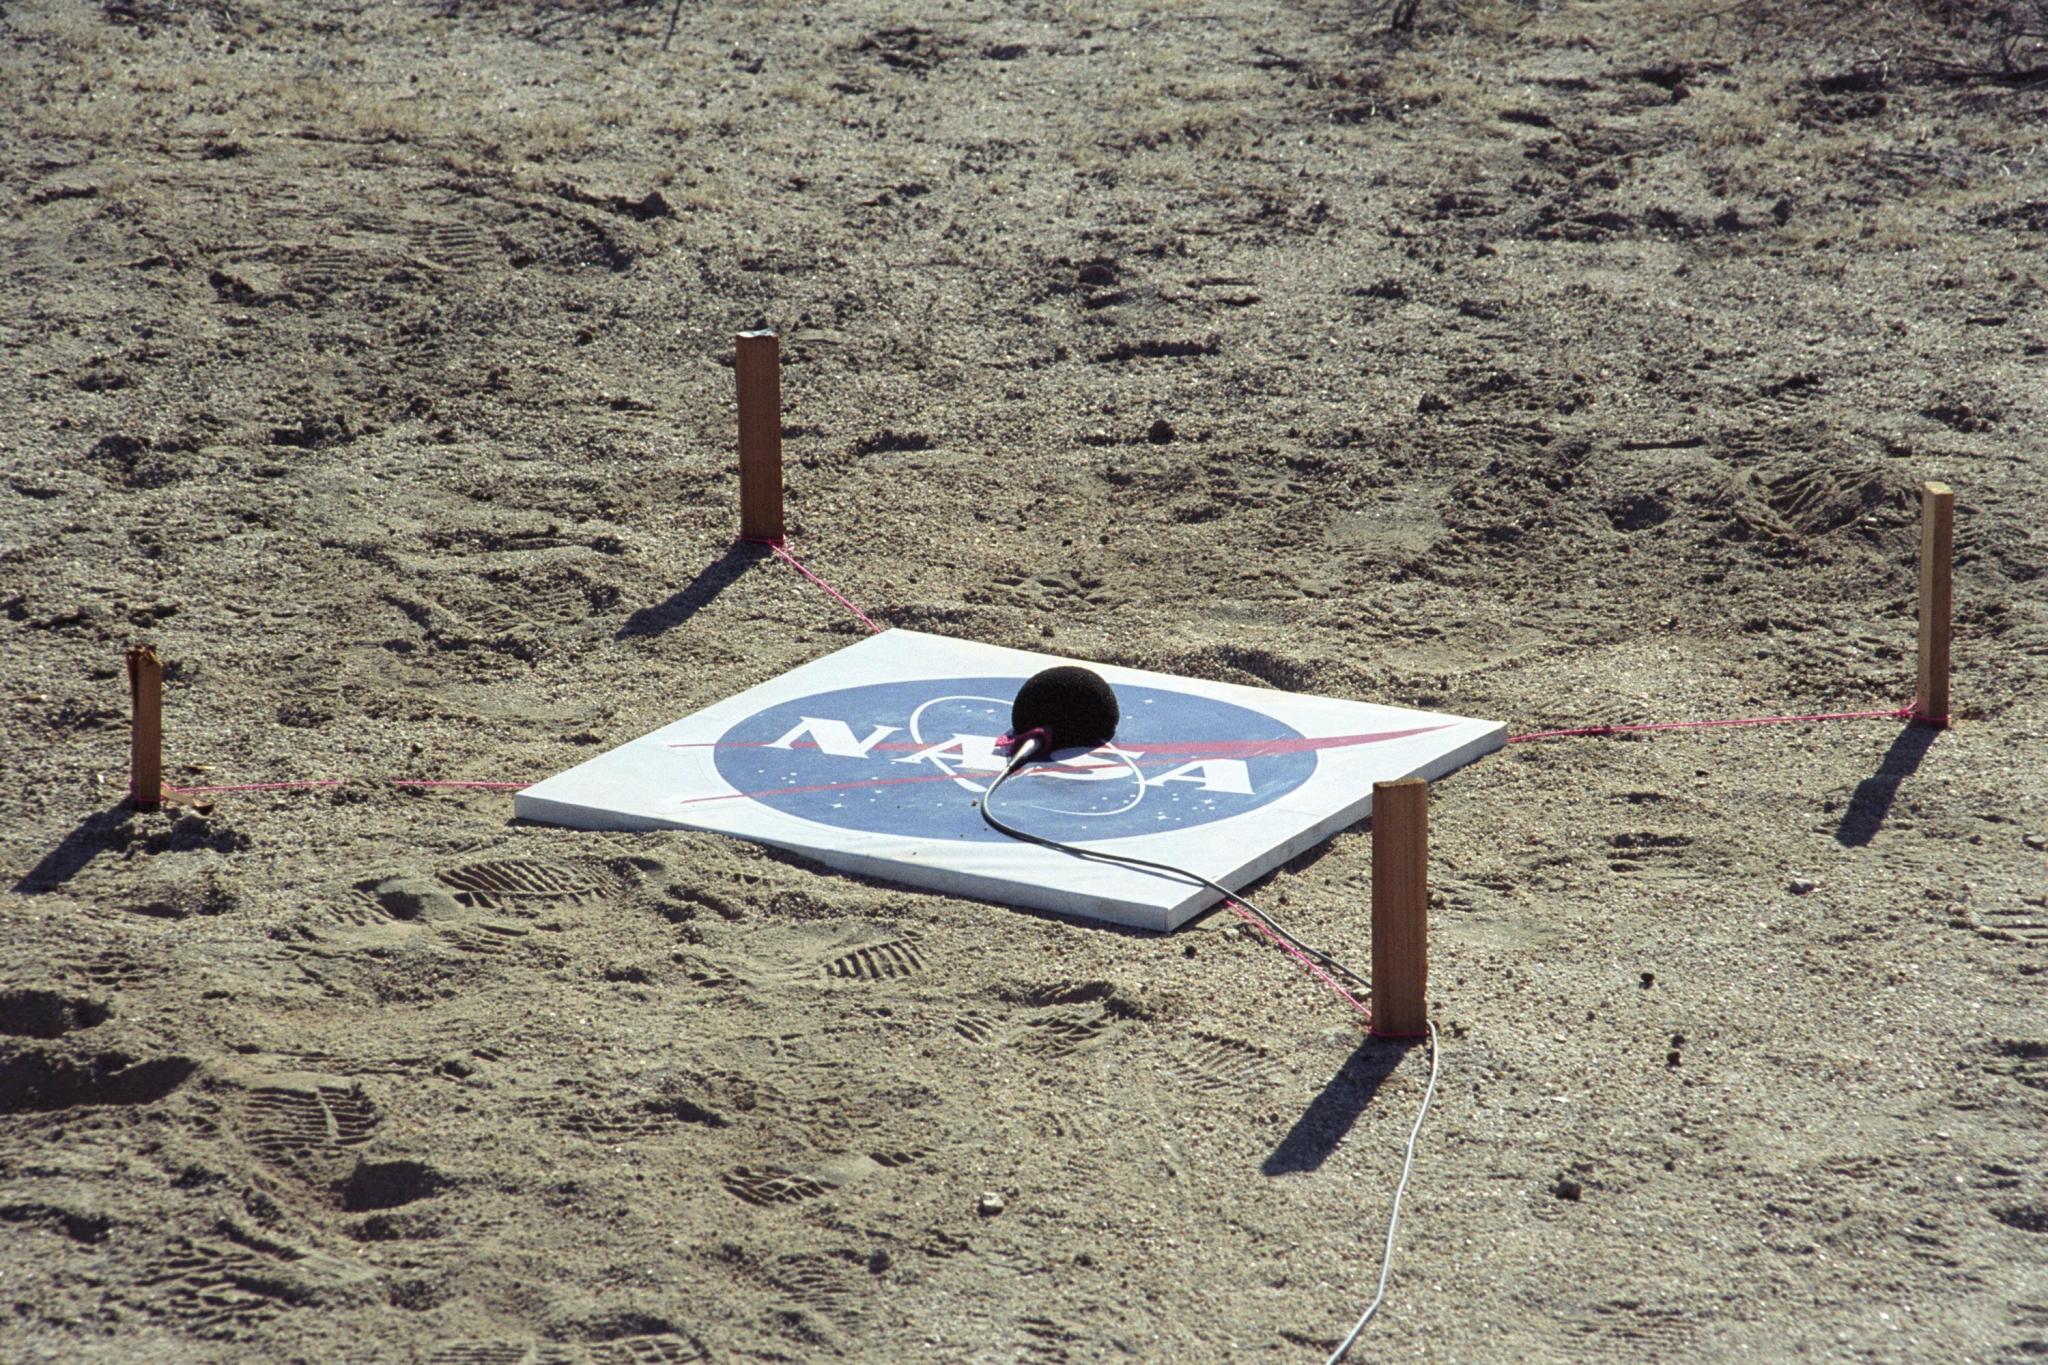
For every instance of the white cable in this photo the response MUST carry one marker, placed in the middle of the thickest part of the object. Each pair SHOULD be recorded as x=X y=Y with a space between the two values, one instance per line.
x=1435 y=1057
x=1394 y=1215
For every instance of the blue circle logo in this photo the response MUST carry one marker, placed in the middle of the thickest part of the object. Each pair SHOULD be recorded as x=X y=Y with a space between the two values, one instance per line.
x=913 y=758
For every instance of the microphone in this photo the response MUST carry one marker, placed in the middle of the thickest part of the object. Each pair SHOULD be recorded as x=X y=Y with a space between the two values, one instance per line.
x=1063 y=707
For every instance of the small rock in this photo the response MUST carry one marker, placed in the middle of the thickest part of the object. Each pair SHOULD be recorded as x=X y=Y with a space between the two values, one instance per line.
x=991 y=1204
x=1799 y=886
x=1161 y=433
x=2035 y=840
x=457 y=1065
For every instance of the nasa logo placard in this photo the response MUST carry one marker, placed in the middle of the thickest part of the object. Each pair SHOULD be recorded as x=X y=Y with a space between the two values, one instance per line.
x=872 y=760
x=913 y=757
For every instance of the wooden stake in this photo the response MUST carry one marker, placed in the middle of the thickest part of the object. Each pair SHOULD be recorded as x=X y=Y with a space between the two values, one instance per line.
x=1400 y=908
x=758 y=365
x=1937 y=553
x=146 y=727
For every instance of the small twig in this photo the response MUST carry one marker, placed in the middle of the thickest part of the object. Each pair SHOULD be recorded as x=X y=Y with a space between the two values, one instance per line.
x=673 y=15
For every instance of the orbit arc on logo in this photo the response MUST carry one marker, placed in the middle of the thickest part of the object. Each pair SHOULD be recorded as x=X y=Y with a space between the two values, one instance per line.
x=913 y=758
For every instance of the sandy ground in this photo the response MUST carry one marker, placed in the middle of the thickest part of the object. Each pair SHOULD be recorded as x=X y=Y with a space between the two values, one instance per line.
x=1555 y=363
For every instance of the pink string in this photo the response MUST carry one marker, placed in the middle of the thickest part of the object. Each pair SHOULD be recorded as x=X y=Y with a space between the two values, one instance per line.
x=336 y=782
x=1299 y=956
x=1896 y=713
x=782 y=552
x=251 y=787
x=1316 y=969
x=481 y=786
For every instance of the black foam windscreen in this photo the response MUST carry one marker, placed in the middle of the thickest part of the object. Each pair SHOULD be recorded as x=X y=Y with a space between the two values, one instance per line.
x=1076 y=707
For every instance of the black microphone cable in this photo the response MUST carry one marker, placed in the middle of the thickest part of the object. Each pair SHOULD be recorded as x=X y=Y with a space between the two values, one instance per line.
x=1038 y=741
x=1030 y=745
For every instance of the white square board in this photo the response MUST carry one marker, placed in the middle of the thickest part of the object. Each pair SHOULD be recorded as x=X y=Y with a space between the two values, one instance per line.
x=871 y=760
